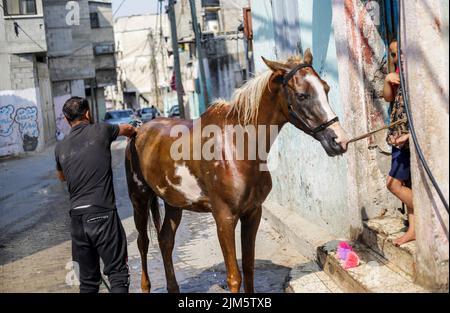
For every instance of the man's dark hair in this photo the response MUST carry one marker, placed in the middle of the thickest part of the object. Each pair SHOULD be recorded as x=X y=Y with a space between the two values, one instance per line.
x=75 y=108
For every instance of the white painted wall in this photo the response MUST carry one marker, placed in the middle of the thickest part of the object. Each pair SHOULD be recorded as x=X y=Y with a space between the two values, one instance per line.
x=426 y=56
x=21 y=127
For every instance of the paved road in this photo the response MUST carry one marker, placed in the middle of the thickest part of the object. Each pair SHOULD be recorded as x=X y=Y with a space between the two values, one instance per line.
x=35 y=240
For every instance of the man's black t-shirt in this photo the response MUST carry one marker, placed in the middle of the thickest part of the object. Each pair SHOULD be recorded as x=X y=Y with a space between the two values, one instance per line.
x=84 y=157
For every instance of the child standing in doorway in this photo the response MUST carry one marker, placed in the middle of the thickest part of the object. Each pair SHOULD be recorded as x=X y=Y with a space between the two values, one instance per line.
x=399 y=180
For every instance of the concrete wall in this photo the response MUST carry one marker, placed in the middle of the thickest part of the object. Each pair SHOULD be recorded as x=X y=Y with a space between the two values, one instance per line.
x=69 y=46
x=10 y=43
x=350 y=54
x=426 y=55
x=136 y=38
x=63 y=91
x=230 y=16
x=317 y=184
x=362 y=65
x=226 y=64
x=33 y=25
x=20 y=121
x=105 y=64
x=21 y=118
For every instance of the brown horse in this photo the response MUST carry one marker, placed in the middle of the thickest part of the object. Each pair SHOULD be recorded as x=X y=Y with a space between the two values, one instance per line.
x=230 y=188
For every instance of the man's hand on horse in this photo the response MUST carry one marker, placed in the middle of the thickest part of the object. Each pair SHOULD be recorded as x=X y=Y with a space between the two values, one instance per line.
x=127 y=131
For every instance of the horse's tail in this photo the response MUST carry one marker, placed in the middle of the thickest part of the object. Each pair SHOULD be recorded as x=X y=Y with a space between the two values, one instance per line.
x=140 y=191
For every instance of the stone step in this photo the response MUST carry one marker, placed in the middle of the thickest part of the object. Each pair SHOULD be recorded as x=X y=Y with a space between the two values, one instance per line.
x=374 y=275
x=310 y=278
x=379 y=234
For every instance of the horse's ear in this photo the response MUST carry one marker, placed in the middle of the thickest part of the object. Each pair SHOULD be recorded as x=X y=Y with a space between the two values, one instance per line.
x=276 y=66
x=308 y=57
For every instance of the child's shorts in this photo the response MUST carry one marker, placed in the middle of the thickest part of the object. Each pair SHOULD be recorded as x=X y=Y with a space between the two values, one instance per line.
x=401 y=164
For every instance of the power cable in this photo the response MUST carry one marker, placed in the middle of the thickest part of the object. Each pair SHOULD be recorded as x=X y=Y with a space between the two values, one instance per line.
x=410 y=117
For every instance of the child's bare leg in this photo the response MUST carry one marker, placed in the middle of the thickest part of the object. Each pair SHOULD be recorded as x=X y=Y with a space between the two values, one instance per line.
x=405 y=194
x=411 y=233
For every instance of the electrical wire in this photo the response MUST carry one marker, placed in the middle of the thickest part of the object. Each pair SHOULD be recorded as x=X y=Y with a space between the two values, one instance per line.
x=410 y=117
x=18 y=26
x=120 y=6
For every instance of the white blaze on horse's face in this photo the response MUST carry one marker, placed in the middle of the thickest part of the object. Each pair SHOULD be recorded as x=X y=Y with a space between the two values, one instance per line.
x=322 y=98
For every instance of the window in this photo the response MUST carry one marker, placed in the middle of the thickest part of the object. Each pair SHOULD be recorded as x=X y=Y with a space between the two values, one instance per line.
x=95 y=23
x=20 y=7
x=210 y=3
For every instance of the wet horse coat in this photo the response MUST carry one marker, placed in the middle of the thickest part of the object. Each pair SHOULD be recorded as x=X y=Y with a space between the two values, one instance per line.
x=231 y=189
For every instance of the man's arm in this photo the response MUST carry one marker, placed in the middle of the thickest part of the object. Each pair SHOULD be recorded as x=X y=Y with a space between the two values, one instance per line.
x=127 y=131
x=61 y=176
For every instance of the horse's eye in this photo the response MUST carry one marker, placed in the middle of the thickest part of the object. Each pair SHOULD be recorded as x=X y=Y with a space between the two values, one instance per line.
x=303 y=96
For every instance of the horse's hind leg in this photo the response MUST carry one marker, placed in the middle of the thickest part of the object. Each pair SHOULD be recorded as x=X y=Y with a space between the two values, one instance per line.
x=141 y=216
x=166 y=240
x=249 y=229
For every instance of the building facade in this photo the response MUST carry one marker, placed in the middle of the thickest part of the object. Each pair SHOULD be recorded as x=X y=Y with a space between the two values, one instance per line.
x=81 y=48
x=27 y=120
x=50 y=51
x=223 y=45
x=340 y=197
x=142 y=60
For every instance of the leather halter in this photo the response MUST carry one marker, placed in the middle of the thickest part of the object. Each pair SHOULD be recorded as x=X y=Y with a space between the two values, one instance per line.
x=294 y=117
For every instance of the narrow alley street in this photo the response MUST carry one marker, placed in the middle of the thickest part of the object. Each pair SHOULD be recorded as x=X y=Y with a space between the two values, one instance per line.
x=35 y=248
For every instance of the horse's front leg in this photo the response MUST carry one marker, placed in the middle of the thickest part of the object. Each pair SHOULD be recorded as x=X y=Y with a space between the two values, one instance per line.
x=249 y=228
x=226 y=226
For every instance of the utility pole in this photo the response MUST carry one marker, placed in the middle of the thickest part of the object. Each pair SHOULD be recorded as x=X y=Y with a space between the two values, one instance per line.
x=198 y=44
x=176 y=56
x=154 y=66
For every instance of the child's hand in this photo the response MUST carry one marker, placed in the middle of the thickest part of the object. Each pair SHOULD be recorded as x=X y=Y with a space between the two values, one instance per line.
x=393 y=79
x=400 y=141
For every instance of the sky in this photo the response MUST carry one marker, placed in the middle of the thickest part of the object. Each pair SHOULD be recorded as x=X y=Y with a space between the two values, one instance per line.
x=130 y=7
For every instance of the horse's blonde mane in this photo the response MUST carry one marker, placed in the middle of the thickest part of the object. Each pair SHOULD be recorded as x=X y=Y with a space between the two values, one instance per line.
x=247 y=99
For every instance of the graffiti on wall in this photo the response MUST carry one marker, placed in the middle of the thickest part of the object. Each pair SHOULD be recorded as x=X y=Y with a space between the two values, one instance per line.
x=6 y=120
x=62 y=127
x=27 y=121
x=27 y=118
x=20 y=121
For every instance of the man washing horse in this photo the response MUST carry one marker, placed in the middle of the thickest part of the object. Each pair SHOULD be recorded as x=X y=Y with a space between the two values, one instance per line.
x=83 y=159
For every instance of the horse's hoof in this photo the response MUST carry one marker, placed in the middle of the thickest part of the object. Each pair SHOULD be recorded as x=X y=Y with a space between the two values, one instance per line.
x=146 y=289
x=174 y=290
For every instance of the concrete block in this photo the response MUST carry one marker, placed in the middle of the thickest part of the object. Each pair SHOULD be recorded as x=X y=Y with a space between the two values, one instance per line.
x=310 y=278
x=304 y=235
x=374 y=275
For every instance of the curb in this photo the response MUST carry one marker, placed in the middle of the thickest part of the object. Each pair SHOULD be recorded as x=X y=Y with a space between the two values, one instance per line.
x=307 y=238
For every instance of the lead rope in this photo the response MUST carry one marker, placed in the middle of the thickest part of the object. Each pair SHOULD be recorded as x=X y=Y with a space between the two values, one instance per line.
x=359 y=138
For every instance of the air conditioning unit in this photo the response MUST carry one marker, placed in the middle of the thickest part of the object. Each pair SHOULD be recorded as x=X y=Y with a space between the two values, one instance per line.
x=107 y=48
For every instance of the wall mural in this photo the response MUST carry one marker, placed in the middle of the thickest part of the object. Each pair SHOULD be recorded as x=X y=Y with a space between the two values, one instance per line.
x=6 y=120
x=28 y=127
x=20 y=124
x=62 y=127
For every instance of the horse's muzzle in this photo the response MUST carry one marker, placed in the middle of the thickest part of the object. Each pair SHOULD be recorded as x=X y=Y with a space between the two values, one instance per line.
x=333 y=145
